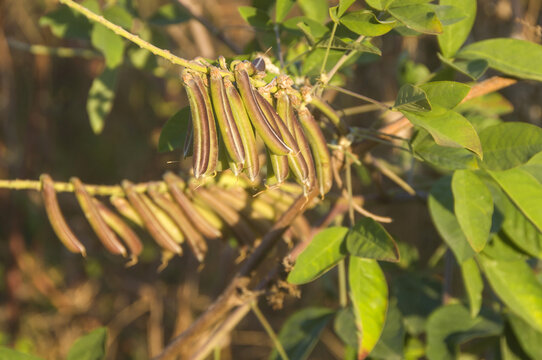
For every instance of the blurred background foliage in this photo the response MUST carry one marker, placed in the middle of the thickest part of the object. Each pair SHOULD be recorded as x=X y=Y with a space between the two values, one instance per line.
x=49 y=297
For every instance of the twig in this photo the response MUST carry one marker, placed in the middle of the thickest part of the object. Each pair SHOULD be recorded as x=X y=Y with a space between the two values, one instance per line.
x=53 y=51
x=323 y=68
x=360 y=109
x=269 y=330
x=359 y=96
x=385 y=170
x=341 y=62
x=279 y=46
x=183 y=345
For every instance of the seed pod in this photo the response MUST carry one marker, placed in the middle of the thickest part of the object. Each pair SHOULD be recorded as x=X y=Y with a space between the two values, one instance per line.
x=269 y=135
x=320 y=152
x=200 y=125
x=155 y=228
x=211 y=125
x=193 y=237
x=125 y=209
x=104 y=233
x=251 y=163
x=164 y=219
x=330 y=113
x=224 y=116
x=60 y=227
x=278 y=171
x=122 y=229
x=231 y=217
x=199 y=222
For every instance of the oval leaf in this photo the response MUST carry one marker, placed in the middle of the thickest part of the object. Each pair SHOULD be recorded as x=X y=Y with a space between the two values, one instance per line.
x=516 y=285
x=282 y=9
x=528 y=338
x=510 y=144
x=473 y=207
x=90 y=346
x=454 y=35
x=369 y=293
x=369 y=239
x=524 y=191
x=514 y=57
x=420 y=17
x=441 y=208
x=447 y=94
x=100 y=98
x=365 y=23
x=323 y=253
x=301 y=332
x=474 y=285
x=448 y=128
x=174 y=131
x=411 y=98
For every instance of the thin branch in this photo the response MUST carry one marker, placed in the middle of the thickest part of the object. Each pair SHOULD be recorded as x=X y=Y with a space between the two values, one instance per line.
x=342 y=60
x=359 y=96
x=323 y=68
x=54 y=51
x=269 y=330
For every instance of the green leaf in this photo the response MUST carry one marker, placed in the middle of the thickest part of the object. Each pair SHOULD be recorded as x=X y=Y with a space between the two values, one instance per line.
x=524 y=191
x=379 y=4
x=440 y=156
x=514 y=57
x=421 y=18
x=454 y=35
x=282 y=9
x=255 y=17
x=118 y=16
x=343 y=6
x=510 y=144
x=174 y=131
x=10 y=354
x=501 y=248
x=493 y=104
x=448 y=15
x=90 y=346
x=448 y=128
x=344 y=326
x=324 y=252
x=314 y=9
x=529 y=338
x=520 y=231
x=474 y=285
x=391 y=343
x=100 y=98
x=169 y=14
x=369 y=239
x=441 y=208
x=447 y=94
x=451 y=325
x=516 y=285
x=301 y=332
x=67 y=24
x=472 y=68
x=110 y=44
x=338 y=44
x=310 y=27
x=369 y=293
x=411 y=98
x=473 y=207
x=366 y=23
x=418 y=295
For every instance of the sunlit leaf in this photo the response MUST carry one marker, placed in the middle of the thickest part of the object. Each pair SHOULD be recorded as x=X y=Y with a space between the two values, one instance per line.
x=391 y=343
x=420 y=17
x=369 y=239
x=315 y=9
x=326 y=249
x=282 y=8
x=411 y=98
x=454 y=35
x=365 y=22
x=530 y=339
x=472 y=68
x=472 y=279
x=254 y=16
x=10 y=354
x=110 y=44
x=100 y=98
x=447 y=94
x=90 y=346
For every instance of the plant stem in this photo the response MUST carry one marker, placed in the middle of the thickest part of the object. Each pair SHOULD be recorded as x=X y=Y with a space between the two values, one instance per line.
x=137 y=40
x=101 y=190
x=279 y=47
x=341 y=61
x=54 y=51
x=342 y=283
x=323 y=68
x=269 y=330
x=359 y=96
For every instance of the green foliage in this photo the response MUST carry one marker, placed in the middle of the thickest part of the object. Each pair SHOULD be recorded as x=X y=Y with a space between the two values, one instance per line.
x=301 y=332
x=474 y=285
x=173 y=133
x=369 y=293
x=10 y=354
x=323 y=253
x=368 y=239
x=454 y=35
x=90 y=346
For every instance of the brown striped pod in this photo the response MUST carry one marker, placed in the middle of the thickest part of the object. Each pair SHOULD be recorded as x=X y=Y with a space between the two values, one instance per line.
x=125 y=209
x=60 y=227
x=199 y=222
x=98 y=224
x=152 y=224
x=129 y=237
